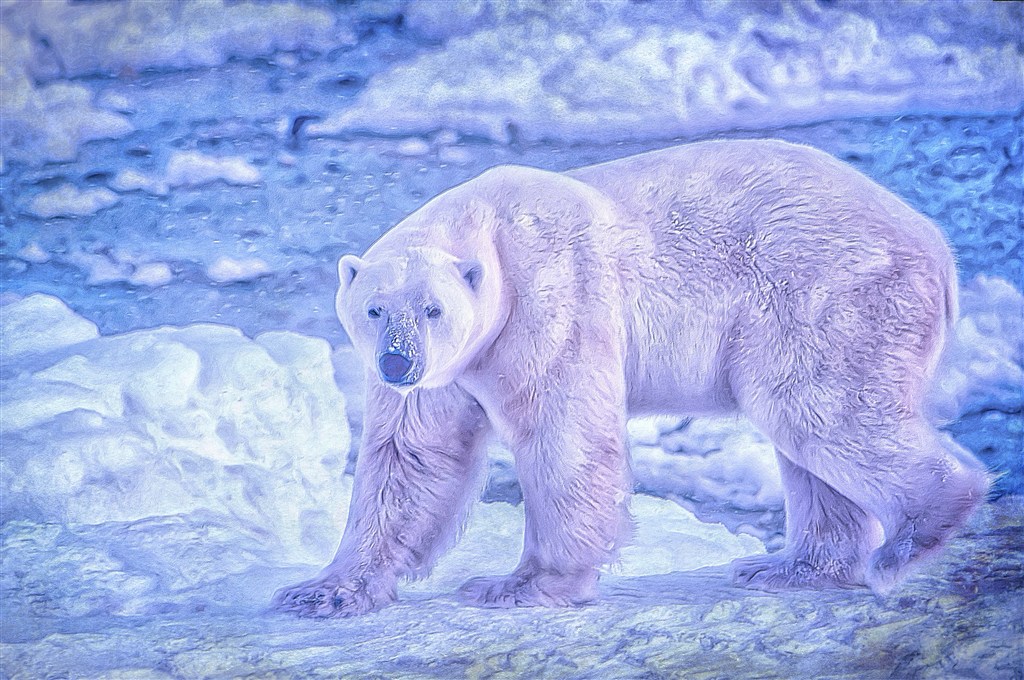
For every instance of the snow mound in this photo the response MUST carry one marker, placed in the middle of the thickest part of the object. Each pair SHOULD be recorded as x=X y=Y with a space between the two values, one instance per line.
x=172 y=421
x=608 y=72
x=69 y=201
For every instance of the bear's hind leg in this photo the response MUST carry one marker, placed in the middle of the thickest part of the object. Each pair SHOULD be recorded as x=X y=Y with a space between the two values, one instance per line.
x=920 y=487
x=945 y=488
x=828 y=539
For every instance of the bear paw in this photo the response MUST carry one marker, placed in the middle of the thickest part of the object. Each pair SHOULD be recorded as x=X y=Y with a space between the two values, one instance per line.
x=330 y=597
x=530 y=589
x=786 y=571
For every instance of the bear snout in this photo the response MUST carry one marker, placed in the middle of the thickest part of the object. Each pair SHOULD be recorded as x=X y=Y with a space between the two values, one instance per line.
x=395 y=367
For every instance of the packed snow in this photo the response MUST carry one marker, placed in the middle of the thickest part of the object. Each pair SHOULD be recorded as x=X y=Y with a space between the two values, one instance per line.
x=181 y=410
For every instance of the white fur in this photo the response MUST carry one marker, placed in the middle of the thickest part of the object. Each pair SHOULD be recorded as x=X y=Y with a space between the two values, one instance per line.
x=754 y=276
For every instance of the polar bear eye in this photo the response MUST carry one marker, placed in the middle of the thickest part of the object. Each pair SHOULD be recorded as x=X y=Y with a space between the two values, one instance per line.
x=373 y=312
x=433 y=311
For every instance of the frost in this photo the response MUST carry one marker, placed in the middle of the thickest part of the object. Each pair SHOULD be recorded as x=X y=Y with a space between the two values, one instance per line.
x=69 y=201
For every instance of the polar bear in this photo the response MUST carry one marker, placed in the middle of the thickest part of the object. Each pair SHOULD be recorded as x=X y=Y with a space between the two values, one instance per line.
x=757 y=277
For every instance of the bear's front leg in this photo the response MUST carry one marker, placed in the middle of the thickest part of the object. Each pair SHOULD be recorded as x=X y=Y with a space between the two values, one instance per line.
x=568 y=436
x=419 y=466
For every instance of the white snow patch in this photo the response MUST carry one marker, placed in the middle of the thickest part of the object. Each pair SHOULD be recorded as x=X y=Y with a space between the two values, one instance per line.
x=605 y=72
x=985 y=351
x=33 y=252
x=189 y=169
x=151 y=274
x=111 y=265
x=171 y=421
x=413 y=146
x=70 y=201
x=192 y=169
x=133 y=180
x=37 y=324
x=229 y=270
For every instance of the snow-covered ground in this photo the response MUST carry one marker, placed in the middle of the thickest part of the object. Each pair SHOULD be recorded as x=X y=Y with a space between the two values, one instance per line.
x=180 y=407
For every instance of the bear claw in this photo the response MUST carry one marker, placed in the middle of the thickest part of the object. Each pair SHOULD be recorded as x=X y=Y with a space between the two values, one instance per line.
x=782 y=571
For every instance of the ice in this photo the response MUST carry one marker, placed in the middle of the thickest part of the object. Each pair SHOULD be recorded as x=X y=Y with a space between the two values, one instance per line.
x=159 y=481
x=69 y=201
x=230 y=270
x=172 y=421
x=985 y=355
x=38 y=324
x=189 y=169
x=612 y=71
x=45 y=122
x=139 y=35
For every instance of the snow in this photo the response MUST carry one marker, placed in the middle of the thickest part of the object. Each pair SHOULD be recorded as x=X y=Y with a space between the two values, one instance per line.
x=189 y=169
x=69 y=201
x=230 y=270
x=39 y=324
x=172 y=421
x=986 y=354
x=612 y=71
x=45 y=122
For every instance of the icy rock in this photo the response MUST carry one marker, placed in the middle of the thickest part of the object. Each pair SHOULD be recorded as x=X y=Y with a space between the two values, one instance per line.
x=69 y=201
x=171 y=421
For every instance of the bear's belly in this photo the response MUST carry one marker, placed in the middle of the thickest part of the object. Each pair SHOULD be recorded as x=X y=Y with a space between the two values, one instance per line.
x=674 y=361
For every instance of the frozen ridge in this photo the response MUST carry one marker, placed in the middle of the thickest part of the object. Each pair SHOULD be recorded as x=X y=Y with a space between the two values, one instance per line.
x=613 y=71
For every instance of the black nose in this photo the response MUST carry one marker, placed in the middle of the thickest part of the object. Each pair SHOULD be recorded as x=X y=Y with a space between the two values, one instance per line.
x=394 y=367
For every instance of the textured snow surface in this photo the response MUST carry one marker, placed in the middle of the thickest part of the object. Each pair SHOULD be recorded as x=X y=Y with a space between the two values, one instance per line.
x=194 y=610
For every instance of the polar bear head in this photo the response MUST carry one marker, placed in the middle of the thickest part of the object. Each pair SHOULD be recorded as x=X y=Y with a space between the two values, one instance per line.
x=416 y=318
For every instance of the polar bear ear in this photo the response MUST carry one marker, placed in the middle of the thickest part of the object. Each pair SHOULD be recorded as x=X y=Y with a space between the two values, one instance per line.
x=348 y=267
x=472 y=272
